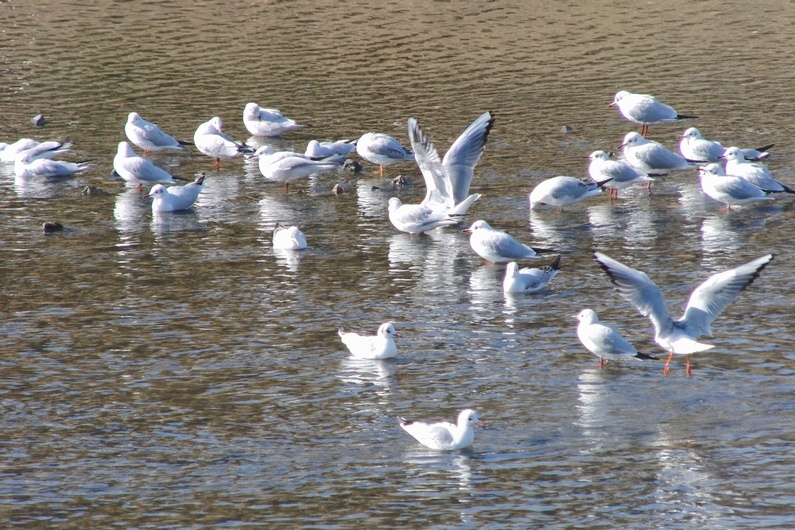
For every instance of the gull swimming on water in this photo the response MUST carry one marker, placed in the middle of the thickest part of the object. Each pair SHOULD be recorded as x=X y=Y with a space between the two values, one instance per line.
x=604 y=341
x=753 y=172
x=175 y=198
x=317 y=149
x=33 y=148
x=267 y=122
x=651 y=157
x=25 y=166
x=444 y=436
x=727 y=189
x=563 y=191
x=707 y=302
x=644 y=110
x=290 y=238
x=497 y=246
x=529 y=280
x=382 y=149
x=447 y=181
x=212 y=141
x=380 y=346
x=149 y=136
x=695 y=148
x=616 y=174
x=136 y=169
x=286 y=166
x=416 y=218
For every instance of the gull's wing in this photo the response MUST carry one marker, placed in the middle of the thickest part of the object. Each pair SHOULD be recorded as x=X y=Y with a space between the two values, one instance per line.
x=637 y=289
x=710 y=298
x=437 y=186
x=460 y=160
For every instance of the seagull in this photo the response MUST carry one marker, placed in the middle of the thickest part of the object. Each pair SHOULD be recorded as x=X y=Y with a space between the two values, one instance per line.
x=286 y=166
x=136 y=169
x=444 y=436
x=212 y=141
x=696 y=148
x=497 y=246
x=604 y=341
x=149 y=136
x=288 y=238
x=563 y=191
x=528 y=280
x=645 y=109
x=25 y=166
x=50 y=149
x=315 y=149
x=729 y=190
x=380 y=346
x=382 y=149
x=616 y=174
x=706 y=302
x=267 y=122
x=416 y=218
x=753 y=172
x=175 y=198
x=447 y=182
x=651 y=157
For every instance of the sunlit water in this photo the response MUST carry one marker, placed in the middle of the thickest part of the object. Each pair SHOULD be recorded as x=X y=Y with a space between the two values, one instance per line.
x=177 y=371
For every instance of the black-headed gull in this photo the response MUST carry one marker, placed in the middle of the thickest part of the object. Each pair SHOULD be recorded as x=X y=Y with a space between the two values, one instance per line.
x=416 y=218
x=727 y=189
x=604 y=341
x=382 y=149
x=529 y=280
x=651 y=157
x=210 y=140
x=497 y=246
x=706 y=302
x=149 y=136
x=563 y=191
x=175 y=198
x=380 y=346
x=753 y=172
x=616 y=174
x=447 y=181
x=444 y=436
x=33 y=148
x=138 y=170
x=286 y=166
x=695 y=148
x=26 y=167
x=315 y=149
x=288 y=238
x=644 y=110
x=267 y=122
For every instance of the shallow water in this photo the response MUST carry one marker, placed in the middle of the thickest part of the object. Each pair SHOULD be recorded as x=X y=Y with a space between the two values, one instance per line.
x=179 y=372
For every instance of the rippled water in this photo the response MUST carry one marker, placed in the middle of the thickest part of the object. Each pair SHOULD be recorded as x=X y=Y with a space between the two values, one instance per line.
x=179 y=372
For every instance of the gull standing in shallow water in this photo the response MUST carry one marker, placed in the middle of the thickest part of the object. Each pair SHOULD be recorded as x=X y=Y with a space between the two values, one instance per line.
x=644 y=110
x=444 y=436
x=212 y=141
x=416 y=218
x=288 y=238
x=604 y=341
x=753 y=172
x=267 y=122
x=175 y=198
x=729 y=190
x=137 y=170
x=616 y=174
x=706 y=302
x=149 y=136
x=651 y=157
x=380 y=346
x=447 y=181
x=696 y=148
x=382 y=149
x=497 y=246
x=563 y=191
x=528 y=280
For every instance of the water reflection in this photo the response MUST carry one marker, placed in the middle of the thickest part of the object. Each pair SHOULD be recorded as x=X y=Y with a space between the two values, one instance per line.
x=130 y=210
x=438 y=261
x=378 y=373
x=288 y=259
x=164 y=223
x=634 y=225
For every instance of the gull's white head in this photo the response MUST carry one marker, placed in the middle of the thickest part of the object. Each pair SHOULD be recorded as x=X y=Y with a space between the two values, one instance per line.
x=587 y=316
x=711 y=170
x=251 y=111
x=633 y=139
x=691 y=134
x=133 y=117
x=157 y=191
x=599 y=155
x=619 y=96
x=468 y=418
x=478 y=225
x=217 y=123
x=733 y=153
x=125 y=150
x=512 y=269
x=387 y=330
x=394 y=204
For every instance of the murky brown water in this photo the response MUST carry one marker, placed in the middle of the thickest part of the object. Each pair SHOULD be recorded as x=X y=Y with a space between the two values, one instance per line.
x=179 y=372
